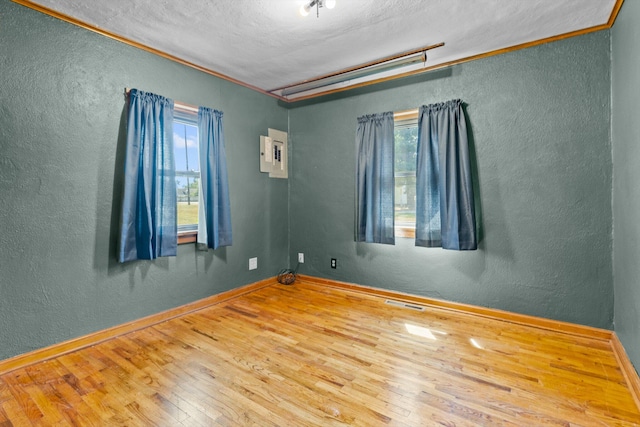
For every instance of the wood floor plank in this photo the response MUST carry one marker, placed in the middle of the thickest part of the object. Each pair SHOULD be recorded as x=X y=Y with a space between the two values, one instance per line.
x=17 y=382
x=313 y=355
x=15 y=415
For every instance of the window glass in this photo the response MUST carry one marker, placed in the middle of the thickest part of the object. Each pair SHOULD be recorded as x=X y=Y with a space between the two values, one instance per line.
x=185 y=141
x=406 y=145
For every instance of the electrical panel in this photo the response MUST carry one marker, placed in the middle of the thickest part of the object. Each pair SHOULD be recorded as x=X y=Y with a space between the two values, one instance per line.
x=273 y=154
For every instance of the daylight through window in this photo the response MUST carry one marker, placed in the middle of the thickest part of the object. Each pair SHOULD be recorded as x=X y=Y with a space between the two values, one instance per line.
x=185 y=142
x=406 y=145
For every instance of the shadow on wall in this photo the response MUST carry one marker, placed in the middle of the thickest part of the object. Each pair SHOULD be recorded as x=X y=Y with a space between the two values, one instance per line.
x=505 y=249
x=475 y=176
x=117 y=193
x=208 y=255
x=108 y=220
x=108 y=215
x=470 y=263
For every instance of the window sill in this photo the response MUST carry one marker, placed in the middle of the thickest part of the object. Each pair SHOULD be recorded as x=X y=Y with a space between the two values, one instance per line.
x=187 y=237
x=408 y=232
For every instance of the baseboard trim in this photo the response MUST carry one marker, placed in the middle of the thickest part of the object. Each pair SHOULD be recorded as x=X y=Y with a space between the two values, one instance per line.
x=39 y=355
x=627 y=368
x=97 y=337
x=507 y=316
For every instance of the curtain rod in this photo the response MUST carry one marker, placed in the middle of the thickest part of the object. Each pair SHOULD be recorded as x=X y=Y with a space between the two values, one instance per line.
x=192 y=108
x=176 y=104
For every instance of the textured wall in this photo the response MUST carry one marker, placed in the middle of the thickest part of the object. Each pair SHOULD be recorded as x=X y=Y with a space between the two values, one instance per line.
x=626 y=176
x=540 y=122
x=61 y=155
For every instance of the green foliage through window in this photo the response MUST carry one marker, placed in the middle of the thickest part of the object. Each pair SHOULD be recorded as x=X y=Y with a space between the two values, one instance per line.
x=406 y=149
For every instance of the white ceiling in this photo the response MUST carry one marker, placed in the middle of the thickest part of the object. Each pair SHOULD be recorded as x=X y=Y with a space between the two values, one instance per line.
x=267 y=44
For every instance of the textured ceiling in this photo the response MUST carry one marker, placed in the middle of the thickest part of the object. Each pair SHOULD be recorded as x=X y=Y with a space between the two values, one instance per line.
x=267 y=44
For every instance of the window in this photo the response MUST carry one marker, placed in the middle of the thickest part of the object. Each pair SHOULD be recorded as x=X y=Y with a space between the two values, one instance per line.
x=187 y=162
x=405 y=146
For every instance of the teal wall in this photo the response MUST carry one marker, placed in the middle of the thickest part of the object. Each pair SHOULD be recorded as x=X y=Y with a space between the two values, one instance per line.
x=61 y=156
x=542 y=155
x=540 y=119
x=625 y=132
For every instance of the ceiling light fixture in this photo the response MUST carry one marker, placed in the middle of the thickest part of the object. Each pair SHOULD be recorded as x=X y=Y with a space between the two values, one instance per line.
x=305 y=8
x=372 y=71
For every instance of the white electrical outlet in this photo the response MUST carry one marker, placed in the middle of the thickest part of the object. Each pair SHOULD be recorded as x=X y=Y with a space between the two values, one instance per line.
x=300 y=257
x=253 y=263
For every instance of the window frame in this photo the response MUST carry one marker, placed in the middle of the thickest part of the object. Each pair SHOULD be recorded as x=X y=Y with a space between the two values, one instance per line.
x=188 y=116
x=407 y=118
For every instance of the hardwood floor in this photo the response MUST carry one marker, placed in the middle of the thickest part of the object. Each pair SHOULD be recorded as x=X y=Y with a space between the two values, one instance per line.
x=312 y=355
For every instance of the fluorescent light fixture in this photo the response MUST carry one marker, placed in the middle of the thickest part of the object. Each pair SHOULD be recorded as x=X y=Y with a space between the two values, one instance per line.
x=408 y=62
x=362 y=72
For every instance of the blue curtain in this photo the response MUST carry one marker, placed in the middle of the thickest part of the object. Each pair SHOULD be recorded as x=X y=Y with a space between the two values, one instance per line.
x=148 y=223
x=375 y=179
x=445 y=214
x=214 y=227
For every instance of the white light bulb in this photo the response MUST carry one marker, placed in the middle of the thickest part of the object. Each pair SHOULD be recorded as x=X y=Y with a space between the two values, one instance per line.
x=330 y=4
x=304 y=10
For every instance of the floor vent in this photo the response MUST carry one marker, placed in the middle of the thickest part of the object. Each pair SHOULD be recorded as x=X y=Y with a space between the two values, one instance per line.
x=404 y=305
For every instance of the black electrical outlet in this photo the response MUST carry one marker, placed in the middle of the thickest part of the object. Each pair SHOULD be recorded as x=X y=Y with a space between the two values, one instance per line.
x=334 y=263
